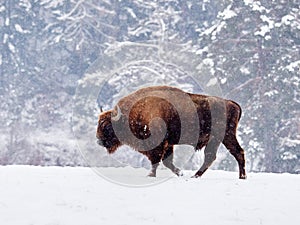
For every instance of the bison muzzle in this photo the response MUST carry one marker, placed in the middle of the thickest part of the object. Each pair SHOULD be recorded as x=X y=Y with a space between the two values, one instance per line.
x=154 y=119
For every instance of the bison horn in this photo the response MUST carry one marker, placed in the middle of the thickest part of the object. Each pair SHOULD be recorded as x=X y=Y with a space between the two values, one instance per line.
x=101 y=109
x=118 y=116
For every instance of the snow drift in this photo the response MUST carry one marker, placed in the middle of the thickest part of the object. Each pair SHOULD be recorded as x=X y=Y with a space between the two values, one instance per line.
x=70 y=196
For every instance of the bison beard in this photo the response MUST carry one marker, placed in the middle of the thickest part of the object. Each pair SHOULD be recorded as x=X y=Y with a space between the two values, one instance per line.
x=131 y=123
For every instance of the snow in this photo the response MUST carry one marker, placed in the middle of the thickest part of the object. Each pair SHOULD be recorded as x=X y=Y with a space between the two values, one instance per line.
x=266 y=28
x=26 y=4
x=51 y=3
x=212 y=82
x=202 y=50
x=289 y=156
x=208 y=31
x=223 y=80
x=263 y=31
x=245 y=70
x=20 y=29
x=208 y=62
x=255 y=5
x=2 y=8
x=214 y=30
x=292 y=66
x=266 y=19
x=7 y=22
x=287 y=19
x=11 y=47
x=227 y=13
x=53 y=195
x=271 y=93
x=290 y=142
x=131 y=12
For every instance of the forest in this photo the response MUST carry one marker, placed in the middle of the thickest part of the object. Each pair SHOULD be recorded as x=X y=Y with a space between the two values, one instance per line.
x=51 y=52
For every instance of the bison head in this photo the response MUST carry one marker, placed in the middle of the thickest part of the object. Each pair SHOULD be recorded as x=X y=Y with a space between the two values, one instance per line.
x=105 y=132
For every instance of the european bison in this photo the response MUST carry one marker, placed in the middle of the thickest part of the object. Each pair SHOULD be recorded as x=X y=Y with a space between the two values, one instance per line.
x=154 y=119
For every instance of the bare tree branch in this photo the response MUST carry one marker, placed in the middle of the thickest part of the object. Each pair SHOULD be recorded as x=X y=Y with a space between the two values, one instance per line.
x=242 y=86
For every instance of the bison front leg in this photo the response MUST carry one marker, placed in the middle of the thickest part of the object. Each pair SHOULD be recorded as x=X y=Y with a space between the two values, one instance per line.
x=153 y=170
x=168 y=161
x=210 y=153
x=154 y=156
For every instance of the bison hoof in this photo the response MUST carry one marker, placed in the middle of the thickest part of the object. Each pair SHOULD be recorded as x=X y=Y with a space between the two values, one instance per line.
x=151 y=175
x=178 y=172
x=244 y=176
x=196 y=176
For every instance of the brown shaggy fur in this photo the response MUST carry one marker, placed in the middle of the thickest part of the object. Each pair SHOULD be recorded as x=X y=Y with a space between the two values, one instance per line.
x=135 y=122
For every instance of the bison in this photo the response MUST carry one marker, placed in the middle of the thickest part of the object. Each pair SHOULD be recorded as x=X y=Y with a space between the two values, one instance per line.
x=154 y=119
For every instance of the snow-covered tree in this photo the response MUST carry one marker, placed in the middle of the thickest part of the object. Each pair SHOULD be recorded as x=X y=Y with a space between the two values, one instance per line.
x=250 y=47
x=255 y=51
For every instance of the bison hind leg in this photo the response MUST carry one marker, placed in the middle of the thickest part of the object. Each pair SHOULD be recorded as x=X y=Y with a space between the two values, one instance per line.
x=210 y=153
x=236 y=150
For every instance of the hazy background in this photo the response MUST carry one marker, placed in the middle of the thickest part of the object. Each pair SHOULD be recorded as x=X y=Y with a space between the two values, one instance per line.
x=46 y=46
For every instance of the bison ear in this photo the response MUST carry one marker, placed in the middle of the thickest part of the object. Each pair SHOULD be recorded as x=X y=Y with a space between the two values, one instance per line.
x=116 y=117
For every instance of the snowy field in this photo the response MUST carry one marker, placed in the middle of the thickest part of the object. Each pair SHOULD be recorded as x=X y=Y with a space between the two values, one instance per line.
x=78 y=196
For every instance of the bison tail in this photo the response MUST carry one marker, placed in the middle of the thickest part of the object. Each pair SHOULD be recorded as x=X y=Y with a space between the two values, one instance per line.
x=240 y=109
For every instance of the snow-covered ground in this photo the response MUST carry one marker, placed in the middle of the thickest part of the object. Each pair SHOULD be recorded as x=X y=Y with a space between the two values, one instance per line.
x=78 y=196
